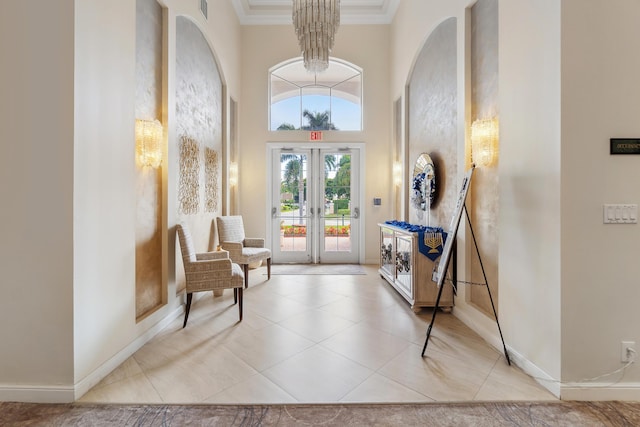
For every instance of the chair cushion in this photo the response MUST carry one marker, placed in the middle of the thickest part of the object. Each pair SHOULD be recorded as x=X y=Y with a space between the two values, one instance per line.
x=250 y=255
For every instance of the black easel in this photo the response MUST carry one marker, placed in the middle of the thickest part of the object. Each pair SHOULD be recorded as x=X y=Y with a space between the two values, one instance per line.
x=442 y=269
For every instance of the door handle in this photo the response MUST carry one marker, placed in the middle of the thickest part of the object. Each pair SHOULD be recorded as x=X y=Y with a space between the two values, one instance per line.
x=356 y=213
x=274 y=212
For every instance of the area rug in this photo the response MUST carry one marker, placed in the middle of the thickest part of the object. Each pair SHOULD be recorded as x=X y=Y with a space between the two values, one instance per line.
x=476 y=414
x=302 y=269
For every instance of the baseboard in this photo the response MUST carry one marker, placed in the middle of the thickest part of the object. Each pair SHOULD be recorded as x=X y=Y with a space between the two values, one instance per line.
x=88 y=382
x=36 y=393
x=604 y=391
x=538 y=375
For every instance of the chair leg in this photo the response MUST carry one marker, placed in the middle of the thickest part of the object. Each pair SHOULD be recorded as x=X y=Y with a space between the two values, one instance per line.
x=246 y=275
x=240 y=302
x=187 y=308
x=235 y=295
x=268 y=268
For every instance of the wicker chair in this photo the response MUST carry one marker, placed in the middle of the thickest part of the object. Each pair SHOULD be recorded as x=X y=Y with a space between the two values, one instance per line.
x=208 y=271
x=242 y=250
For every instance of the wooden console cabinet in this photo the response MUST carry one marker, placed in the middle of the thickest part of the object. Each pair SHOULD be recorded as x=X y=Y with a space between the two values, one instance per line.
x=409 y=271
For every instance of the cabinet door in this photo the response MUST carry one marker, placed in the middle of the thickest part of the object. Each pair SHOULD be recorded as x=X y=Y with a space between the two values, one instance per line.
x=387 y=262
x=404 y=264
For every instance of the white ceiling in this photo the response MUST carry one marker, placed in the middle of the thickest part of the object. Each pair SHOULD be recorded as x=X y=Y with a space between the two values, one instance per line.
x=278 y=12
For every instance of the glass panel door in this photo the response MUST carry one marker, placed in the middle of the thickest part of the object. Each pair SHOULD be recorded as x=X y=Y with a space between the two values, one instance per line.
x=339 y=217
x=291 y=213
x=315 y=214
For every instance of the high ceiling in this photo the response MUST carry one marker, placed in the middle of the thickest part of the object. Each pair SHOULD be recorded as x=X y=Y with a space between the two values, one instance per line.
x=278 y=12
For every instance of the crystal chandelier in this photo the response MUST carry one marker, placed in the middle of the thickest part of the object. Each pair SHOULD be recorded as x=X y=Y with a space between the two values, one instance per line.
x=316 y=23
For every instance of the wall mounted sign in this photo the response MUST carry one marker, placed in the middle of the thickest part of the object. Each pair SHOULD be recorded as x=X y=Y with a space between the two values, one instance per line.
x=315 y=136
x=625 y=146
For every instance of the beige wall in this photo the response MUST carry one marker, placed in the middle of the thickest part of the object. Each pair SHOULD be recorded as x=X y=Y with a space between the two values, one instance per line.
x=36 y=166
x=68 y=108
x=530 y=165
x=600 y=268
x=104 y=201
x=363 y=45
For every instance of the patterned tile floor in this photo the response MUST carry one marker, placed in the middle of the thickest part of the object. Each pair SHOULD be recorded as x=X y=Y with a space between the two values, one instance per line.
x=314 y=339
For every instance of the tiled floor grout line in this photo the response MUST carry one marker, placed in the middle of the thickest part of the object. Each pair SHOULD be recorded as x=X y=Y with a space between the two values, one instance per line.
x=280 y=311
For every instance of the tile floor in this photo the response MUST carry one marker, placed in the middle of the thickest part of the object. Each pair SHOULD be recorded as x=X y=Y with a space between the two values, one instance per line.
x=314 y=339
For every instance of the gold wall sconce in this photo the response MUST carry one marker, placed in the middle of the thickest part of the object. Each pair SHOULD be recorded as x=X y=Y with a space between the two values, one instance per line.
x=397 y=173
x=484 y=142
x=149 y=143
x=233 y=174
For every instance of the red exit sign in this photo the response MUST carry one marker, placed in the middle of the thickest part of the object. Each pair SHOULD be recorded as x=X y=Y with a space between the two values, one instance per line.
x=315 y=135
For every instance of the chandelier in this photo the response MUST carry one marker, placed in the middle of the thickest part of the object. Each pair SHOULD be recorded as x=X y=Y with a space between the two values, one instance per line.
x=316 y=23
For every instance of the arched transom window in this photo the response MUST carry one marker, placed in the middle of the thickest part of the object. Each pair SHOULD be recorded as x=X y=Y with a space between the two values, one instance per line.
x=300 y=100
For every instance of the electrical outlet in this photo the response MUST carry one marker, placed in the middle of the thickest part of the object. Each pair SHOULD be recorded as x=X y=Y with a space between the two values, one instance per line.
x=627 y=351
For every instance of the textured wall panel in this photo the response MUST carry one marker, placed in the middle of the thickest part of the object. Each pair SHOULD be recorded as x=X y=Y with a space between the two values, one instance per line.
x=432 y=116
x=148 y=180
x=199 y=88
x=198 y=121
x=484 y=200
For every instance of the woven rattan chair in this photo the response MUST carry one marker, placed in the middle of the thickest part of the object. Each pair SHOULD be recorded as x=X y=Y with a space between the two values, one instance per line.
x=208 y=271
x=243 y=250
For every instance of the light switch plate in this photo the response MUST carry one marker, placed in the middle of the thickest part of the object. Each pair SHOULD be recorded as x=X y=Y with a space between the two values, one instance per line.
x=620 y=213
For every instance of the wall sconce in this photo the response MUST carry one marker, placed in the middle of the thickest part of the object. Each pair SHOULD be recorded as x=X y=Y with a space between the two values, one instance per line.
x=397 y=173
x=233 y=174
x=149 y=142
x=484 y=142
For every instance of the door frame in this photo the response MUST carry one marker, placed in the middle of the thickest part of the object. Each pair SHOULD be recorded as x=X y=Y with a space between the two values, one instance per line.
x=360 y=146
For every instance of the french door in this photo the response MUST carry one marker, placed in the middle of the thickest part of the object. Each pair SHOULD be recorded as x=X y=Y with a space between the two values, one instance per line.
x=315 y=205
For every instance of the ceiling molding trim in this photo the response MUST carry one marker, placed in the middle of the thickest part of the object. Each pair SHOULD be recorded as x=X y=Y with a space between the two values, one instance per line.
x=279 y=12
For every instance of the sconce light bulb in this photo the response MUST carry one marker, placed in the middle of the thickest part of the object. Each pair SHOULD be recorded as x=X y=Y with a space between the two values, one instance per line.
x=397 y=173
x=484 y=142
x=149 y=142
x=233 y=174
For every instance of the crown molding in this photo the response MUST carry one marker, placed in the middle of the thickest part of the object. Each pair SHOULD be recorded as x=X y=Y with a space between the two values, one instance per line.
x=278 y=12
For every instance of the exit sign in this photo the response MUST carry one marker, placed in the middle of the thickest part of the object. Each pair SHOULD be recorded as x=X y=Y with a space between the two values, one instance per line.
x=315 y=136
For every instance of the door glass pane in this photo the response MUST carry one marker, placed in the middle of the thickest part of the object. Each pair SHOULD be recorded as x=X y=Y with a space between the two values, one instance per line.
x=337 y=202
x=293 y=202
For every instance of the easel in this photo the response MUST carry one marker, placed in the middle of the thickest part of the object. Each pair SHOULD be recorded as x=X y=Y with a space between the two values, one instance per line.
x=447 y=253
